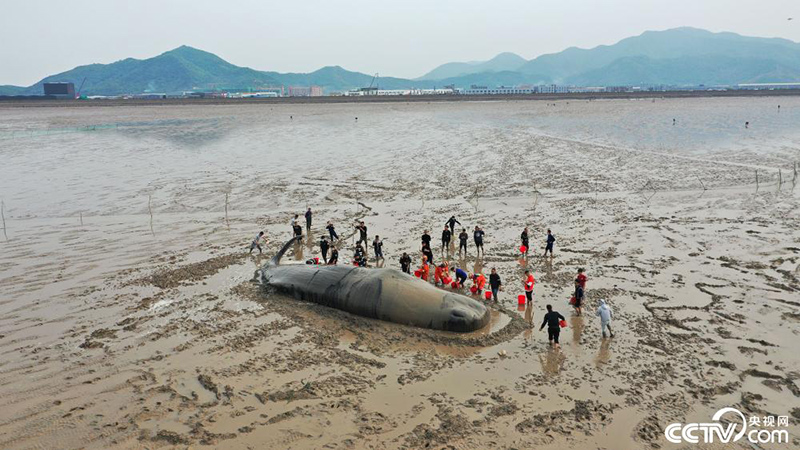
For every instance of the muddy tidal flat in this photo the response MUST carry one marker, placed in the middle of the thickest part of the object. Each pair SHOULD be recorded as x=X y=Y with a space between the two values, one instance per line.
x=130 y=316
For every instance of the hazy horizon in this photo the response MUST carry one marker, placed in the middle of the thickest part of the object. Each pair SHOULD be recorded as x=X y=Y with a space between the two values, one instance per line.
x=404 y=41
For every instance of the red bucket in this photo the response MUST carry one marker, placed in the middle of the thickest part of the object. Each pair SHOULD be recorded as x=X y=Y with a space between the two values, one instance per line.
x=562 y=323
x=474 y=289
x=417 y=273
x=446 y=280
x=523 y=249
x=488 y=295
x=454 y=285
x=521 y=300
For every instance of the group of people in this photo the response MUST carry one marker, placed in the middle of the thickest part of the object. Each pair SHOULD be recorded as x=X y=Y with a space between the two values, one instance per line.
x=446 y=274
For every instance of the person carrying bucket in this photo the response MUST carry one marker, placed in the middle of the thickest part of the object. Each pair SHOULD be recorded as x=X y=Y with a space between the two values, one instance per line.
x=528 y=283
x=461 y=275
x=580 y=286
x=425 y=269
x=495 y=283
x=604 y=312
x=553 y=321
x=479 y=282
x=525 y=243
x=439 y=273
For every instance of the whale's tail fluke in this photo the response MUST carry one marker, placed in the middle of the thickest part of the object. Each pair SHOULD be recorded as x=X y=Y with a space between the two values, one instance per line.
x=277 y=258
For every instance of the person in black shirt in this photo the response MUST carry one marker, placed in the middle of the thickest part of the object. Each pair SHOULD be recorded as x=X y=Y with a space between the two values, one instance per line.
x=358 y=256
x=446 y=234
x=452 y=223
x=462 y=241
x=405 y=263
x=426 y=238
x=377 y=244
x=334 y=257
x=426 y=250
x=477 y=235
x=362 y=230
x=323 y=245
x=495 y=283
x=525 y=242
x=308 y=219
x=332 y=231
x=552 y=319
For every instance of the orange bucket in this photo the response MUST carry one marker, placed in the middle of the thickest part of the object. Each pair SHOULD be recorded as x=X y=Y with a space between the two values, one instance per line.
x=521 y=300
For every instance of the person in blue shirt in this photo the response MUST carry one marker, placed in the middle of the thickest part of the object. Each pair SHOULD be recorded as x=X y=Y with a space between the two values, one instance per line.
x=550 y=241
x=461 y=276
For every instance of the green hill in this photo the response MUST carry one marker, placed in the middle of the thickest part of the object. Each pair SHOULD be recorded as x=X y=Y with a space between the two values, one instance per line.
x=681 y=56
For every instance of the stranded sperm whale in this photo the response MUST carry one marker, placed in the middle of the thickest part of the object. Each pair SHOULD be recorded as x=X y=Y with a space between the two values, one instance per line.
x=385 y=294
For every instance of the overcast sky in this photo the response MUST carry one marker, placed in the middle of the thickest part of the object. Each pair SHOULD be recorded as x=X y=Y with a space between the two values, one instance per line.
x=401 y=38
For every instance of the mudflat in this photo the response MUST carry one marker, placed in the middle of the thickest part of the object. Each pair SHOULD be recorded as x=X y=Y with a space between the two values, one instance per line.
x=131 y=316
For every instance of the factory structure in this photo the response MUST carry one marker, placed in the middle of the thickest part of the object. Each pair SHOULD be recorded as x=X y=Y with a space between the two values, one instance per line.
x=66 y=90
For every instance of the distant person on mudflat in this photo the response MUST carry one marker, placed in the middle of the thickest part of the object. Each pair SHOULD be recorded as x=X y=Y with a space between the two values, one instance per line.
x=462 y=241
x=332 y=231
x=256 y=244
x=446 y=234
x=323 y=246
x=308 y=219
x=377 y=245
x=477 y=236
x=495 y=283
x=405 y=263
x=524 y=238
x=334 y=257
x=552 y=319
x=451 y=222
x=549 y=244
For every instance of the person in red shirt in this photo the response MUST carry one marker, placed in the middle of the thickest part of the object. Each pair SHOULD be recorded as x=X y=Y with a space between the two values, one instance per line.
x=480 y=282
x=580 y=286
x=425 y=269
x=528 y=283
x=438 y=274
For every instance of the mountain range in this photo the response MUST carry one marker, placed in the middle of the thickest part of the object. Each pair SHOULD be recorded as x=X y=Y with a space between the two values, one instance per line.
x=675 y=57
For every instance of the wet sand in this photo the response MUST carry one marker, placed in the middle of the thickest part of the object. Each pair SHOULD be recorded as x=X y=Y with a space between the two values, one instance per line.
x=119 y=329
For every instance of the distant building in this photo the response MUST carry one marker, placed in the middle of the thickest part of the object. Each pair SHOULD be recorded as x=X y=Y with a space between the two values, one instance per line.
x=502 y=90
x=769 y=86
x=60 y=90
x=305 y=91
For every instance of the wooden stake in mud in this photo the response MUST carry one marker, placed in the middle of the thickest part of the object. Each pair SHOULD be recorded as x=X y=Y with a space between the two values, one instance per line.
x=756 y=180
x=3 y=215
x=780 y=179
x=226 y=212
x=794 y=177
x=150 y=209
x=81 y=216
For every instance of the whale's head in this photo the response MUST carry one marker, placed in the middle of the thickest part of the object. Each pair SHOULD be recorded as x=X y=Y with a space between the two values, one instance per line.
x=464 y=314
